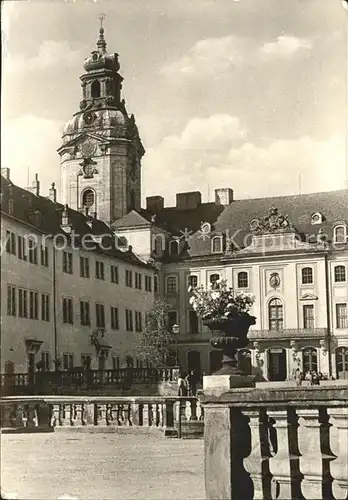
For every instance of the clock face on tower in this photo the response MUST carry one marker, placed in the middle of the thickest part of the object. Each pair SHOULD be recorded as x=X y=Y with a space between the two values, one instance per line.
x=89 y=117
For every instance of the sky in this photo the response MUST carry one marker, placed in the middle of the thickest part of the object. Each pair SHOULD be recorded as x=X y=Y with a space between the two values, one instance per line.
x=247 y=94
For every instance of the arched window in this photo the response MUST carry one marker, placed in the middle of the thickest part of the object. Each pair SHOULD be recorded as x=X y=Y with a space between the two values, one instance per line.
x=340 y=234
x=171 y=285
x=275 y=314
x=174 y=247
x=192 y=281
x=95 y=89
x=310 y=359
x=342 y=362
x=213 y=278
x=216 y=244
x=244 y=361
x=242 y=279
x=307 y=275
x=340 y=274
x=88 y=198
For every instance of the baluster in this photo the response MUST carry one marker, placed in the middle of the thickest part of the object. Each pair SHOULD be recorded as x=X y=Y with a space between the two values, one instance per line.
x=311 y=456
x=280 y=463
x=146 y=415
x=66 y=415
x=193 y=409
x=338 y=443
x=136 y=414
x=201 y=417
x=102 y=415
x=153 y=414
x=161 y=407
x=257 y=463
x=31 y=415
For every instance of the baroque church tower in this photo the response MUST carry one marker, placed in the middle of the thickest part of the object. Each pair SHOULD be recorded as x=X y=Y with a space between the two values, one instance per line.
x=101 y=151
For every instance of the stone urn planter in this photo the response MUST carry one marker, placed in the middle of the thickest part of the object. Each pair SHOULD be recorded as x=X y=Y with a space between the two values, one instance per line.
x=229 y=335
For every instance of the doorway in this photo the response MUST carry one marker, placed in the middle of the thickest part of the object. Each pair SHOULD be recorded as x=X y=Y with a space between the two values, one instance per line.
x=194 y=362
x=277 y=364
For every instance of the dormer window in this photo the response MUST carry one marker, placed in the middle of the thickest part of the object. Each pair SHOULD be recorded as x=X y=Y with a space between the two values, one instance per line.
x=174 y=247
x=205 y=228
x=340 y=233
x=317 y=218
x=216 y=244
x=95 y=89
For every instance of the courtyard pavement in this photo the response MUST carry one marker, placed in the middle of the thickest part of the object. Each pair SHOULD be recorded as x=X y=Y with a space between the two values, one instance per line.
x=100 y=466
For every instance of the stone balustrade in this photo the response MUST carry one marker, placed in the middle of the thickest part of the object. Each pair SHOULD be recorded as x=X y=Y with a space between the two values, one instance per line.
x=174 y=416
x=288 y=443
x=18 y=383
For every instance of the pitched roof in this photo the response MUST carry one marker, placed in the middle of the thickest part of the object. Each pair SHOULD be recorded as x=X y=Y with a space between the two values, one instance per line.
x=132 y=219
x=46 y=216
x=234 y=219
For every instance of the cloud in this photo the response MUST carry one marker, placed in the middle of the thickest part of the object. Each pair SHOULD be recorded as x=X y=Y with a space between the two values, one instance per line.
x=285 y=46
x=216 y=152
x=50 y=54
x=31 y=142
x=214 y=56
x=210 y=56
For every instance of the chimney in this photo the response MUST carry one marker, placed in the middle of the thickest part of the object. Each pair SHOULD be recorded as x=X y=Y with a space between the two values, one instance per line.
x=188 y=201
x=154 y=203
x=52 y=193
x=35 y=187
x=223 y=196
x=6 y=173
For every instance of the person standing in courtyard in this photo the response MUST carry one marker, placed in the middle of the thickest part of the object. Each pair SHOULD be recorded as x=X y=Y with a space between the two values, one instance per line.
x=182 y=386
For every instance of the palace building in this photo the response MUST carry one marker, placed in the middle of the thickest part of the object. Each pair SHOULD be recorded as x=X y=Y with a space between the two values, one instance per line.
x=290 y=251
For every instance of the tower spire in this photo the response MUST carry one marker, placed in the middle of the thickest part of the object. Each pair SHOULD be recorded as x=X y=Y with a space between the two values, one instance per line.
x=101 y=43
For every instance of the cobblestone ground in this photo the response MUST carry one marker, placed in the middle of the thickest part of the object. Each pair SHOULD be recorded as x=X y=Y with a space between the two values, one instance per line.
x=100 y=467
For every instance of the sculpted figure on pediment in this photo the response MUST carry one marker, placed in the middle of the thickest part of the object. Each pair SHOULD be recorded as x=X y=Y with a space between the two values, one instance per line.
x=272 y=223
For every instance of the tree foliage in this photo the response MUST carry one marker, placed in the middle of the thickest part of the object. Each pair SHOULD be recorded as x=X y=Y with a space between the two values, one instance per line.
x=155 y=344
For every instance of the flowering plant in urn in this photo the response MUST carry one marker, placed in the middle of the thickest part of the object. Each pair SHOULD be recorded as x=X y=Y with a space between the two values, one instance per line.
x=226 y=313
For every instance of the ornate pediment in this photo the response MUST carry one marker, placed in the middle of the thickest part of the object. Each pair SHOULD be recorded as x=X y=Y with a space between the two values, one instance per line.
x=84 y=144
x=273 y=222
x=308 y=296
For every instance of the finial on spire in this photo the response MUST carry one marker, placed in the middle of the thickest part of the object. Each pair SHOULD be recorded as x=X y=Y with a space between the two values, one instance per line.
x=101 y=43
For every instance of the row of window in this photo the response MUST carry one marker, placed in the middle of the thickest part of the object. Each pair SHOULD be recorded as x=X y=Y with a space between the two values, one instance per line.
x=243 y=278
x=133 y=319
x=26 y=249
x=100 y=272
x=276 y=315
x=25 y=303
x=68 y=360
